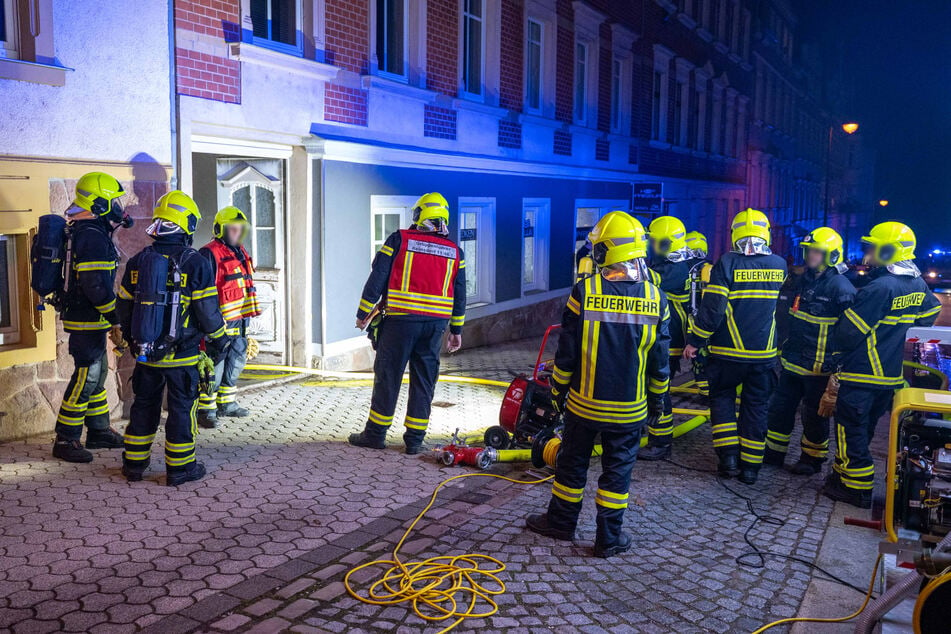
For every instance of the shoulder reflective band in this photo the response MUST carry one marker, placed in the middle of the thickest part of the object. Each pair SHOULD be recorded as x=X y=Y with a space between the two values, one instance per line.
x=431 y=248
x=759 y=275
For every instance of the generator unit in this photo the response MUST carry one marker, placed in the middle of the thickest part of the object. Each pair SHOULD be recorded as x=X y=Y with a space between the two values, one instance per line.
x=923 y=495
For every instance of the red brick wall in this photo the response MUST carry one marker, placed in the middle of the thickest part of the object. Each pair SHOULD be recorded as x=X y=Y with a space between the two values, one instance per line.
x=564 y=61
x=201 y=74
x=348 y=47
x=512 y=64
x=442 y=54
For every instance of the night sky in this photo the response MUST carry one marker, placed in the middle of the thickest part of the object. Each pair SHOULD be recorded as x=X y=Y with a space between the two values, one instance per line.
x=899 y=55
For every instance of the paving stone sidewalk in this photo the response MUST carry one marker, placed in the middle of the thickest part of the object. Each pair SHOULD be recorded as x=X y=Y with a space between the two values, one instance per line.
x=263 y=542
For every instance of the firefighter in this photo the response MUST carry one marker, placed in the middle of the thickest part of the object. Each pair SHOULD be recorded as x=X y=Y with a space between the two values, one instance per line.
x=813 y=302
x=88 y=315
x=611 y=372
x=697 y=280
x=668 y=239
x=871 y=338
x=233 y=270
x=420 y=274
x=173 y=371
x=737 y=324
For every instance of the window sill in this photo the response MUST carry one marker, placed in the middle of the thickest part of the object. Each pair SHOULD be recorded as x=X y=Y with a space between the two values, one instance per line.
x=686 y=20
x=661 y=145
x=288 y=62
x=397 y=87
x=465 y=103
x=33 y=72
x=721 y=47
x=541 y=121
x=704 y=34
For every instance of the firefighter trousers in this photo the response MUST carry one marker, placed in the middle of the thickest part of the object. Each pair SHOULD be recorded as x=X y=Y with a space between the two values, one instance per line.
x=745 y=435
x=795 y=389
x=857 y=412
x=403 y=341
x=84 y=403
x=228 y=368
x=150 y=385
x=661 y=434
x=619 y=452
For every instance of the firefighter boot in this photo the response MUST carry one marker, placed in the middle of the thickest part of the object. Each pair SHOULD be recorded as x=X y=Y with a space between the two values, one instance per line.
x=748 y=473
x=207 y=418
x=413 y=442
x=70 y=451
x=104 y=439
x=835 y=490
x=538 y=523
x=728 y=465
x=191 y=472
x=807 y=465
x=624 y=543
x=373 y=436
x=232 y=410
x=773 y=458
x=134 y=472
x=652 y=452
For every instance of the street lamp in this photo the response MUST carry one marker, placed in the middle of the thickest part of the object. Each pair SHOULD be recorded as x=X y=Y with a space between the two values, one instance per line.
x=883 y=203
x=849 y=128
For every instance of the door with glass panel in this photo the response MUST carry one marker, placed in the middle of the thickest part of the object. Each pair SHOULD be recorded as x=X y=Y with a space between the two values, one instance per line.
x=256 y=187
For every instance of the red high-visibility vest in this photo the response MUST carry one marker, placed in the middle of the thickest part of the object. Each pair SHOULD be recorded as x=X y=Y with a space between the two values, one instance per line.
x=422 y=276
x=235 y=282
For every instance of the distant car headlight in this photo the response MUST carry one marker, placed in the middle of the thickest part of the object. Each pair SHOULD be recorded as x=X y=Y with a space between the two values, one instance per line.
x=932 y=274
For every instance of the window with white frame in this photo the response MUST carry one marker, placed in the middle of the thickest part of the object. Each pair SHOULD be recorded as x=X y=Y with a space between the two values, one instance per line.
x=388 y=214
x=534 y=56
x=660 y=93
x=587 y=213
x=622 y=40
x=473 y=47
x=391 y=37
x=535 y=240
x=581 y=82
x=276 y=24
x=8 y=29
x=260 y=204
x=477 y=240
x=9 y=309
x=616 y=90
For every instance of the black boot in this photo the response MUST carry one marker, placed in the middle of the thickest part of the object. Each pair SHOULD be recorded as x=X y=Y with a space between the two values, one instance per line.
x=193 y=471
x=134 y=473
x=807 y=466
x=413 y=442
x=70 y=451
x=728 y=465
x=748 y=473
x=624 y=543
x=773 y=458
x=104 y=439
x=652 y=452
x=232 y=410
x=835 y=490
x=363 y=439
x=207 y=418
x=538 y=523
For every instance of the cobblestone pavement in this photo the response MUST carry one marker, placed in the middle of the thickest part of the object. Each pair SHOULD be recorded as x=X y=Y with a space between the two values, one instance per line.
x=263 y=542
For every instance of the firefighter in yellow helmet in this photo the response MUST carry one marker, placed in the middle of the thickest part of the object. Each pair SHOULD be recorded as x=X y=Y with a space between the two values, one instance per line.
x=611 y=372
x=809 y=306
x=737 y=323
x=167 y=303
x=668 y=239
x=870 y=337
x=89 y=313
x=234 y=278
x=420 y=274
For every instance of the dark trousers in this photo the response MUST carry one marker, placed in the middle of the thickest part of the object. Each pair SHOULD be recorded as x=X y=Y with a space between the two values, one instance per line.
x=403 y=341
x=661 y=434
x=84 y=402
x=857 y=412
x=228 y=368
x=792 y=390
x=745 y=435
x=149 y=385
x=619 y=448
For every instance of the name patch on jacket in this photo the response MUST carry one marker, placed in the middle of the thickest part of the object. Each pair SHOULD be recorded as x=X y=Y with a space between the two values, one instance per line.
x=759 y=275
x=905 y=301
x=430 y=248
x=621 y=310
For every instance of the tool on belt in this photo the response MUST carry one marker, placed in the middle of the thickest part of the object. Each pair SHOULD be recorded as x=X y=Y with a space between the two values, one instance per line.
x=829 y=397
x=374 y=320
x=206 y=374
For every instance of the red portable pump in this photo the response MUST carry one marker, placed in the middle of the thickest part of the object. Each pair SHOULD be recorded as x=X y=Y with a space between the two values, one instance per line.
x=459 y=453
x=526 y=408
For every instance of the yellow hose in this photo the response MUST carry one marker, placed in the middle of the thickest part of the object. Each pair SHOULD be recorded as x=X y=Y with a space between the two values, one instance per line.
x=938 y=373
x=365 y=375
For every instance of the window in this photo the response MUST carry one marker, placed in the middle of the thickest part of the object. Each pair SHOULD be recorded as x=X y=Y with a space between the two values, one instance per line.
x=581 y=82
x=473 y=47
x=275 y=24
x=477 y=239
x=9 y=310
x=533 y=66
x=390 y=213
x=657 y=105
x=391 y=40
x=258 y=203
x=680 y=109
x=535 y=233
x=616 y=94
x=8 y=29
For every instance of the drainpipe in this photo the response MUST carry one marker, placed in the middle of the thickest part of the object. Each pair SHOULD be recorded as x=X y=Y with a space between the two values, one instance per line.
x=173 y=96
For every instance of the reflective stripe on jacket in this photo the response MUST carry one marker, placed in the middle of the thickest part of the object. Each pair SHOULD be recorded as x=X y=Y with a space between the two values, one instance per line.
x=674 y=283
x=234 y=279
x=91 y=300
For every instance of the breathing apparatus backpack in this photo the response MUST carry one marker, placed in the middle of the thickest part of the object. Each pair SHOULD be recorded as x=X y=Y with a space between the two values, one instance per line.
x=157 y=305
x=50 y=261
x=698 y=278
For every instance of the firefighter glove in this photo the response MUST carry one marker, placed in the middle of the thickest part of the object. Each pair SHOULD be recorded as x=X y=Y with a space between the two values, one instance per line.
x=253 y=348
x=206 y=374
x=829 y=397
